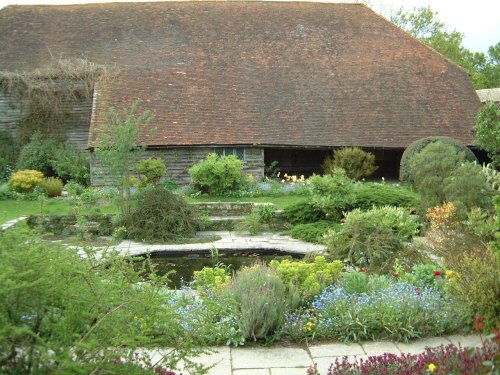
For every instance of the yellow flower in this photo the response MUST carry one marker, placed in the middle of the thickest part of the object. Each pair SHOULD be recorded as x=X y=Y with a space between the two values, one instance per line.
x=309 y=326
x=432 y=367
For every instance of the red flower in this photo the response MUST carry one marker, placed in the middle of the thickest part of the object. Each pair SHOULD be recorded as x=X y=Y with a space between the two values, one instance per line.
x=362 y=269
x=418 y=291
x=395 y=274
x=437 y=273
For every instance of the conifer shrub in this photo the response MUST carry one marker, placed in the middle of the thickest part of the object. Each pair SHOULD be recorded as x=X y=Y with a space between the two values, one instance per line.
x=303 y=213
x=356 y=162
x=312 y=232
x=51 y=186
x=368 y=195
x=161 y=216
x=416 y=147
x=25 y=181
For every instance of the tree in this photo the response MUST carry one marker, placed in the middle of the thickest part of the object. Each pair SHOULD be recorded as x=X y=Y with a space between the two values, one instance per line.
x=487 y=134
x=423 y=24
x=117 y=146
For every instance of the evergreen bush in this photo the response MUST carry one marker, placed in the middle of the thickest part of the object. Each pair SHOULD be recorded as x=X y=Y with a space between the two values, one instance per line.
x=356 y=162
x=51 y=186
x=161 y=216
x=151 y=170
x=25 y=181
x=367 y=195
x=38 y=154
x=414 y=148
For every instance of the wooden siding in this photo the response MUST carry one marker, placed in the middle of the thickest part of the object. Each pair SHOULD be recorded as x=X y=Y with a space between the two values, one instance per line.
x=77 y=120
x=178 y=161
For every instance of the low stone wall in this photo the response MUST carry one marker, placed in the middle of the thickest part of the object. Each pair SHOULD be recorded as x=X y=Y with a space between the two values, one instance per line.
x=67 y=224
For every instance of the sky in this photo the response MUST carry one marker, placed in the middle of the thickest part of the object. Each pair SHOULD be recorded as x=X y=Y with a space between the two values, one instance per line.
x=478 y=20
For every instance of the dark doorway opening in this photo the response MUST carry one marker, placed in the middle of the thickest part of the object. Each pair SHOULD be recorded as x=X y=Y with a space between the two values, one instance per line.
x=297 y=161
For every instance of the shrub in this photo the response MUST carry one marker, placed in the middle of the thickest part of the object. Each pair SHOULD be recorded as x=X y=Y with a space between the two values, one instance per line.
x=468 y=187
x=396 y=310
x=487 y=135
x=414 y=149
x=332 y=194
x=368 y=195
x=5 y=192
x=38 y=154
x=211 y=278
x=151 y=170
x=61 y=313
x=303 y=213
x=72 y=165
x=356 y=162
x=218 y=175
x=9 y=152
x=262 y=301
x=51 y=186
x=160 y=215
x=312 y=232
x=448 y=359
x=372 y=239
x=431 y=167
x=309 y=277
x=25 y=181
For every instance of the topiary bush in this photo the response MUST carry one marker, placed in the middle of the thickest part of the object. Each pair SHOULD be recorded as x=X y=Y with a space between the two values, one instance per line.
x=51 y=186
x=161 y=216
x=151 y=170
x=414 y=148
x=217 y=175
x=368 y=195
x=25 y=181
x=356 y=162
x=430 y=169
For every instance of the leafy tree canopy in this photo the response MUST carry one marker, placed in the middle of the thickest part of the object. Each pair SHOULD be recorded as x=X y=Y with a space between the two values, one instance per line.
x=484 y=69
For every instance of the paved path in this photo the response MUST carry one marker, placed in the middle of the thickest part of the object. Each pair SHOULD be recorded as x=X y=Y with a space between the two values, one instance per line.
x=279 y=360
x=229 y=241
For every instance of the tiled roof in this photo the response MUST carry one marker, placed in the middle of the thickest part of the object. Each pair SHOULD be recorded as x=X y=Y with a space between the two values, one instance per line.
x=271 y=73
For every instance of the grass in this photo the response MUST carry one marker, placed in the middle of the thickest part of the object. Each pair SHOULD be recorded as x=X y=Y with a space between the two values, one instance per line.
x=12 y=209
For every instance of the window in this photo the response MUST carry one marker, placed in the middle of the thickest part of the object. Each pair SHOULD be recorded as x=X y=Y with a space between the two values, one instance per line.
x=239 y=152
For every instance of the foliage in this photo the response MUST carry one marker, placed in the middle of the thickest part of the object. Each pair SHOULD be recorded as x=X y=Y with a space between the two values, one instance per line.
x=51 y=186
x=218 y=175
x=372 y=239
x=416 y=147
x=426 y=275
x=5 y=192
x=356 y=162
x=25 y=181
x=367 y=195
x=431 y=167
x=9 y=152
x=424 y=25
x=272 y=170
x=303 y=213
x=160 y=215
x=255 y=221
x=332 y=194
x=61 y=313
x=151 y=170
x=487 y=131
x=38 y=154
x=71 y=165
x=468 y=187
x=358 y=282
x=476 y=274
x=117 y=147
x=397 y=310
x=310 y=278
x=215 y=278
x=262 y=301
x=312 y=232
x=448 y=359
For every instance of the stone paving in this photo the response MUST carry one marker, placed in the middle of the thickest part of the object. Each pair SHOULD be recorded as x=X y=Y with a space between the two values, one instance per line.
x=229 y=241
x=11 y=223
x=294 y=360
